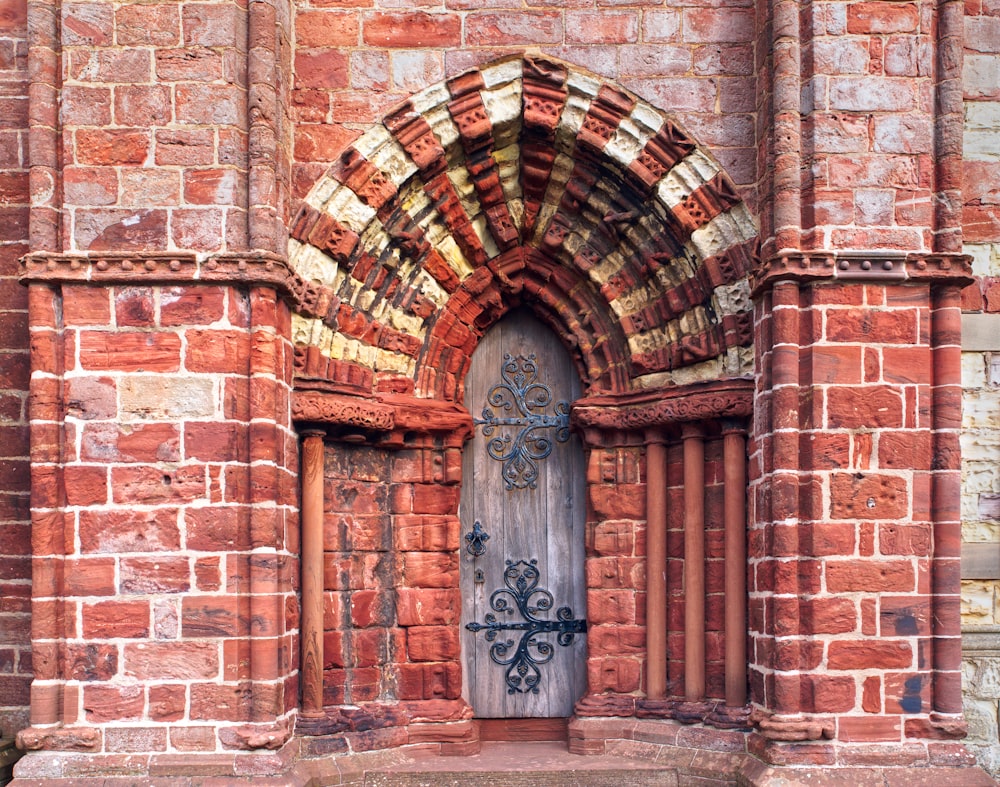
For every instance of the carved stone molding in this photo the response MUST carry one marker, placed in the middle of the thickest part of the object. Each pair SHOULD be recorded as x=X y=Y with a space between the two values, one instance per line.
x=387 y=419
x=253 y=268
x=665 y=406
x=883 y=267
x=321 y=407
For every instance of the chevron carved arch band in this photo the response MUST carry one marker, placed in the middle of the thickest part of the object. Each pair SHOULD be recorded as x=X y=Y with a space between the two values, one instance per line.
x=523 y=183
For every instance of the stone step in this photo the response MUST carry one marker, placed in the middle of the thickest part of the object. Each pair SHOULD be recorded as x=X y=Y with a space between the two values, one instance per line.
x=523 y=764
x=663 y=777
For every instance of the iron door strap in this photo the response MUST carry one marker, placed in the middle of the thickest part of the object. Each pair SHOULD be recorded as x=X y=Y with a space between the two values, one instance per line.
x=522 y=591
x=520 y=390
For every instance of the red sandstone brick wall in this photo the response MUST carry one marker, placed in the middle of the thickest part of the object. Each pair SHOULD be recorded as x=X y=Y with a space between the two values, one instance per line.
x=15 y=543
x=353 y=61
x=154 y=114
x=155 y=152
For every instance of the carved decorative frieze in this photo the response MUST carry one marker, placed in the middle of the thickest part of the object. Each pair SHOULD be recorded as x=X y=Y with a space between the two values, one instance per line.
x=851 y=266
x=327 y=408
x=394 y=418
x=662 y=407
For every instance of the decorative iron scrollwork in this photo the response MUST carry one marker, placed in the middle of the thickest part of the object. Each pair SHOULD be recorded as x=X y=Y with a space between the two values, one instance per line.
x=521 y=579
x=520 y=390
x=476 y=538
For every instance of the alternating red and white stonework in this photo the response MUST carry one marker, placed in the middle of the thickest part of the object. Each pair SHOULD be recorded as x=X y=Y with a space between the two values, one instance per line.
x=247 y=251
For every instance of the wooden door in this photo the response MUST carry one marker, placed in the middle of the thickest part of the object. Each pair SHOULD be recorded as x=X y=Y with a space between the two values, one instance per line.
x=524 y=596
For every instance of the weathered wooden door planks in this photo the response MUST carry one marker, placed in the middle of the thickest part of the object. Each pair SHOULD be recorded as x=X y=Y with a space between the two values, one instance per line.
x=533 y=510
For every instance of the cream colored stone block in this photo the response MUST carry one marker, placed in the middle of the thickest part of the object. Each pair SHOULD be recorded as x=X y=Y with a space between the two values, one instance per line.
x=503 y=107
x=321 y=191
x=985 y=258
x=345 y=206
x=733 y=298
x=395 y=163
x=313 y=265
x=699 y=372
x=508 y=161
x=434 y=96
x=974 y=366
x=979 y=532
x=978 y=603
x=482 y=230
x=164 y=397
x=444 y=128
x=980 y=332
x=502 y=73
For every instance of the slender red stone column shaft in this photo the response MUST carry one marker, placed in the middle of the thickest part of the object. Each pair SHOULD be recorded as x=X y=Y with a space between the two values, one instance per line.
x=946 y=488
x=312 y=573
x=694 y=562
x=735 y=481
x=656 y=565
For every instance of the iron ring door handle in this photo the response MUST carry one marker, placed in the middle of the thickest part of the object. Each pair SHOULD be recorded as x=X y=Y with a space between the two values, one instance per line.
x=477 y=538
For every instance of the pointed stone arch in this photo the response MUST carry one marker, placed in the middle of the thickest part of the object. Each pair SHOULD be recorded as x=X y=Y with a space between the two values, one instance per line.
x=525 y=182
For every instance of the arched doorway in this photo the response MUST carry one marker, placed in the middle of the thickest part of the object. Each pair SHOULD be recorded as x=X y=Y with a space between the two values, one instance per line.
x=522 y=185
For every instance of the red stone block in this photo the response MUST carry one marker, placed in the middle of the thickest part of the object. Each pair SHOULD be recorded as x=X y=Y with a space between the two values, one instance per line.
x=136 y=105
x=90 y=662
x=905 y=540
x=427 y=606
x=432 y=643
x=215 y=441
x=86 y=305
x=164 y=661
x=868 y=728
x=89 y=576
x=834 y=365
x=113 y=147
x=221 y=702
x=414 y=29
x=214 y=616
x=113 y=619
x=868 y=497
x=603 y=27
x=220 y=351
x=869 y=654
x=828 y=693
x=619 y=675
x=113 y=703
x=188 y=738
x=828 y=616
x=861 y=576
x=316 y=29
x=160 y=574
x=134 y=307
x=882 y=17
x=611 y=606
x=717 y=25
x=140 y=443
x=85 y=485
x=150 y=485
x=167 y=703
x=430 y=569
x=130 y=352
x=429 y=681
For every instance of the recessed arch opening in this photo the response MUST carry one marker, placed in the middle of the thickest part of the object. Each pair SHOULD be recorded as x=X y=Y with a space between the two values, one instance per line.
x=524 y=183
